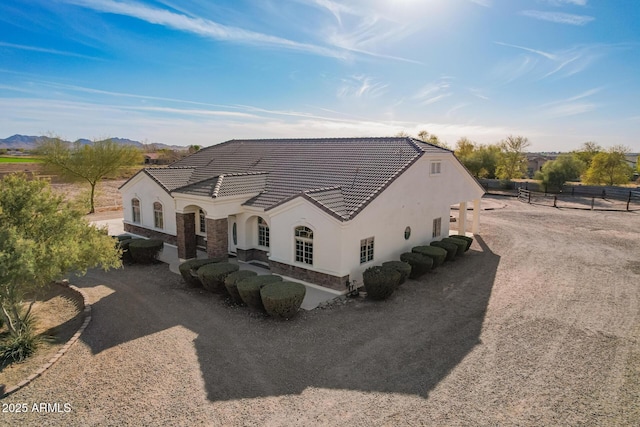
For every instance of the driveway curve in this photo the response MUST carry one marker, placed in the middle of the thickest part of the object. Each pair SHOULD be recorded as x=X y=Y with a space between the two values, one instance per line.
x=539 y=323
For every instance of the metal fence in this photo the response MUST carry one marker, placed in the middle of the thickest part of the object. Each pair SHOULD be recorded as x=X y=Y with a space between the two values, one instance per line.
x=627 y=200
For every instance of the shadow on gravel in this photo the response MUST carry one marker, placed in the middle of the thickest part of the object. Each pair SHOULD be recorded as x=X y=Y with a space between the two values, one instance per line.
x=406 y=344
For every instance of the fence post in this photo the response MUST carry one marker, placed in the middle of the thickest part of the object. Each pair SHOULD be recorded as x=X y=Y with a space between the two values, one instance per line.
x=628 y=201
x=555 y=201
x=529 y=196
x=593 y=199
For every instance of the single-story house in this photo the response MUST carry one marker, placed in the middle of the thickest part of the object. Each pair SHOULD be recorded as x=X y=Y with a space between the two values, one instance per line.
x=318 y=210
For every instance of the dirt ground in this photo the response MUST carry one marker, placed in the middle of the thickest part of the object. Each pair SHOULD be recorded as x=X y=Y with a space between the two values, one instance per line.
x=58 y=315
x=538 y=324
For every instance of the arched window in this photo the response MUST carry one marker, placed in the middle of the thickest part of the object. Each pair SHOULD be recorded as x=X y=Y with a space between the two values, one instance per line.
x=304 y=245
x=157 y=215
x=203 y=221
x=263 y=232
x=135 y=210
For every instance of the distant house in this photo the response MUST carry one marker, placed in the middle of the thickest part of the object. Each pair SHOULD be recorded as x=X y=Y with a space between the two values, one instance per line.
x=318 y=210
x=155 y=159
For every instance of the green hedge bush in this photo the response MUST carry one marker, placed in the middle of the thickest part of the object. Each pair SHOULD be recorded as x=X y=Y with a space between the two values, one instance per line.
x=212 y=276
x=282 y=299
x=451 y=248
x=419 y=263
x=145 y=251
x=126 y=254
x=461 y=244
x=402 y=267
x=380 y=282
x=189 y=270
x=231 y=283
x=122 y=237
x=467 y=239
x=249 y=289
x=438 y=255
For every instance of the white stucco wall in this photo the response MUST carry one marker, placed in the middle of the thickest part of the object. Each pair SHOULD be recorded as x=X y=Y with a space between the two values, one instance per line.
x=148 y=191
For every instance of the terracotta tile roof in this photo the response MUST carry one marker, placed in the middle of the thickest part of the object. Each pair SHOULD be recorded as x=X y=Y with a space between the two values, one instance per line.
x=340 y=175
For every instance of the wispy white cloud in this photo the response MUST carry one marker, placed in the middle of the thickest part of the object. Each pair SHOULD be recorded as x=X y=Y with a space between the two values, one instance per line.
x=485 y=3
x=434 y=92
x=203 y=27
x=564 y=2
x=361 y=87
x=50 y=51
x=537 y=52
x=558 y=17
x=571 y=106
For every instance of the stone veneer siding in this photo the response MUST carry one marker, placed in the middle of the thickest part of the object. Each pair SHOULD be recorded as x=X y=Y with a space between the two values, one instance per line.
x=322 y=279
x=152 y=234
x=217 y=238
x=186 y=235
x=252 y=254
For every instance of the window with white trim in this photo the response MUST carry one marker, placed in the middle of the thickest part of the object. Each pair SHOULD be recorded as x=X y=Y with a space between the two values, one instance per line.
x=436 y=167
x=304 y=245
x=366 y=250
x=263 y=232
x=202 y=220
x=158 y=220
x=135 y=210
x=437 y=227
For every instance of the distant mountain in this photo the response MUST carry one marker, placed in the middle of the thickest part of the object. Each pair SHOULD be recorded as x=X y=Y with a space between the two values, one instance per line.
x=30 y=142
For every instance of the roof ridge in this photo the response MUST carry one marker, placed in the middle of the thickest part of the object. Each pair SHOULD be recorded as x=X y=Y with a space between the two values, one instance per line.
x=216 y=188
x=321 y=189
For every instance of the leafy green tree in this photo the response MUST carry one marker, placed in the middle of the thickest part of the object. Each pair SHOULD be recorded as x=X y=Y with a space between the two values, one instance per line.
x=587 y=152
x=480 y=160
x=609 y=167
x=555 y=173
x=430 y=138
x=512 y=162
x=88 y=162
x=41 y=240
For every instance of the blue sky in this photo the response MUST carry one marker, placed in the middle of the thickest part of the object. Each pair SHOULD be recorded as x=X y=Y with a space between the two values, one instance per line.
x=560 y=72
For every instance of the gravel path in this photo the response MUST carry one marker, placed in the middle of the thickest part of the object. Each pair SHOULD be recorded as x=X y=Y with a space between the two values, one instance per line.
x=538 y=324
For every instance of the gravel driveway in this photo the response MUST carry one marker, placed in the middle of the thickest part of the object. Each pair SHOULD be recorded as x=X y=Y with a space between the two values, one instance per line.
x=538 y=324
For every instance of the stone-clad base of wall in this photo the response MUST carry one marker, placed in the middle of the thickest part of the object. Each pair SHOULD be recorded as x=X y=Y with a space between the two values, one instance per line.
x=322 y=279
x=152 y=234
x=253 y=254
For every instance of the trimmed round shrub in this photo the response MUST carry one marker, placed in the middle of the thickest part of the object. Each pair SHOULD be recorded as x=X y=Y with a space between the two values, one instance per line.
x=419 y=263
x=249 y=289
x=467 y=239
x=145 y=251
x=438 y=255
x=122 y=237
x=380 y=282
x=213 y=275
x=402 y=267
x=126 y=254
x=282 y=299
x=451 y=248
x=231 y=283
x=462 y=245
x=189 y=270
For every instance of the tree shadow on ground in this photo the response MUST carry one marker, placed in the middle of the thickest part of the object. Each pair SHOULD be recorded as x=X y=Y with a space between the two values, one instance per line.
x=406 y=344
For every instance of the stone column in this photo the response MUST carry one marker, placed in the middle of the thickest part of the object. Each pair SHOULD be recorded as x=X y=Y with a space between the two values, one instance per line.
x=462 y=219
x=475 y=228
x=217 y=238
x=186 y=235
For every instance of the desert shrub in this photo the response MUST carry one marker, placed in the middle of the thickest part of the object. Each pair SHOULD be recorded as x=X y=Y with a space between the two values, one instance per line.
x=231 y=283
x=451 y=248
x=18 y=346
x=419 y=263
x=145 y=251
x=437 y=254
x=282 y=299
x=461 y=244
x=402 y=267
x=380 y=282
x=189 y=270
x=126 y=253
x=249 y=289
x=213 y=275
x=467 y=239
